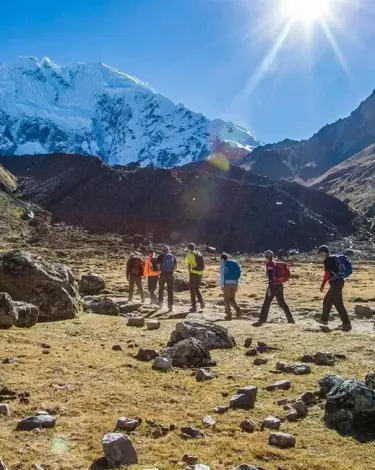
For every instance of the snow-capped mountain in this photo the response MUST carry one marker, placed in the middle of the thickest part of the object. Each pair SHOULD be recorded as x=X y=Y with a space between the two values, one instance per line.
x=94 y=109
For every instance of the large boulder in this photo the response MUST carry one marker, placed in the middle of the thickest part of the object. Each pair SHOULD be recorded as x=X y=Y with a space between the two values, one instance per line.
x=8 y=314
x=119 y=450
x=350 y=406
x=91 y=284
x=189 y=353
x=28 y=314
x=103 y=306
x=211 y=335
x=49 y=286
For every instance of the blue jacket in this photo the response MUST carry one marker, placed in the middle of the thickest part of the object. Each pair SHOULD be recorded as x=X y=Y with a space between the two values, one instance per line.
x=227 y=276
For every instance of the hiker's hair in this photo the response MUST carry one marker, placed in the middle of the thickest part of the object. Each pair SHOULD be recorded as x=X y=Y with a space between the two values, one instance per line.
x=323 y=249
x=191 y=246
x=224 y=257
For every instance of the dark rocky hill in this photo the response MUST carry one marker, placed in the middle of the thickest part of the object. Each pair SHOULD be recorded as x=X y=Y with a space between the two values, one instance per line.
x=234 y=209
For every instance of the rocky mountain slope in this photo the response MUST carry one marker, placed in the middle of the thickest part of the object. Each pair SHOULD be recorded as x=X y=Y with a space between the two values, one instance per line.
x=353 y=181
x=233 y=209
x=311 y=158
x=93 y=109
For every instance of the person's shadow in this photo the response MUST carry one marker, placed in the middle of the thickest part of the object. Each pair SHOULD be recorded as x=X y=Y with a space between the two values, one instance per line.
x=100 y=464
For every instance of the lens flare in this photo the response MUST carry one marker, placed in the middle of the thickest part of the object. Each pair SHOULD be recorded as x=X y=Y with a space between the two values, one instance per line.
x=305 y=11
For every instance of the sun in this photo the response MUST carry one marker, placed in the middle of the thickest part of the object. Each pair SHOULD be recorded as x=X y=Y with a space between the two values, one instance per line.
x=305 y=11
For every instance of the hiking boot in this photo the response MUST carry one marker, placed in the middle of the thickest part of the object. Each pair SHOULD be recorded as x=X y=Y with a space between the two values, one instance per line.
x=292 y=322
x=258 y=323
x=321 y=322
x=239 y=314
x=170 y=310
x=203 y=305
x=345 y=328
x=228 y=317
x=193 y=310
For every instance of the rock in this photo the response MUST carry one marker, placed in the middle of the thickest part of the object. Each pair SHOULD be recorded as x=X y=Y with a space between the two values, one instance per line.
x=244 y=399
x=138 y=322
x=309 y=398
x=181 y=285
x=8 y=313
x=189 y=432
x=49 y=286
x=264 y=348
x=46 y=346
x=248 y=425
x=296 y=369
x=200 y=466
x=324 y=359
x=9 y=360
x=220 y=410
x=202 y=375
x=362 y=311
x=259 y=361
x=271 y=423
x=292 y=416
x=307 y=358
x=248 y=342
x=279 y=385
x=190 y=459
x=211 y=335
x=350 y=406
x=153 y=324
x=2 y=465
x=91 y=284
x=46 y=420
x=251 y=352
x=209 y=421
x=281 y=366
x=163 y=364
x=116 y=347
x=282 y=402
x=36 y=467
x=129 y=308
x=246 y=466
x=282 y=440
x=28 y=314
x=29 y=424
x=340 y=356
x=4 y=409
x=301 y=409
x=189 y=353
x=119 y=450
x=103 y=306
x=127 y=424
x=210 y=249
x=370 y=380
x=147 y=355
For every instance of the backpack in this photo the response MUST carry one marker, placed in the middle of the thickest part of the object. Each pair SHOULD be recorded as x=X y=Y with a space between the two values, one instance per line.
x=168 y=263
x=232 y=270
x=138 y=267
x=154 y=265
x=199 y=261
x=344 y=267
x=282 y=272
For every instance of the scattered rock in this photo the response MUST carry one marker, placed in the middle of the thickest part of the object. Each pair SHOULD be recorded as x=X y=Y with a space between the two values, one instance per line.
x=116 y=347
x=279 y=385
x=36 y=467
x=220 y=410
x=103 y=306
x=119 y=450
x=362 y=311
x=259 y=361
x=9 y=360
x=309 y=398
x=282 y=402
x=91 y=284
x=211 y=335
x=248 y=342
x=244 y=399
x=29 y=424
x=189 y=432
x=296 y=369
x=127 y=308
x=248 y=425
x=8 y=312
x=292 y=416
x=127 y=424
x=189 y=353
x=208 y=421
x=190 y=459
x=264 y=348
x=28 y=314
x=153 y=324
x=46 y=346
x=340 y=356
x=271 y=423
x=49 y=286
x=251 y=352
x=202 y=375
x=307 y=358
x=282 y=440
x=181 y=285
x=246 y=466
x=324 y=359
x=147 y=355
x=138 y=322
x=4 y=409
x=370 y=380
x=2 y=465
x=301 y=409
x=163 y=364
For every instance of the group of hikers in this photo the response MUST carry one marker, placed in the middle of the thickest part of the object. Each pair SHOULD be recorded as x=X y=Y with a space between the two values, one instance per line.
x=159 y=272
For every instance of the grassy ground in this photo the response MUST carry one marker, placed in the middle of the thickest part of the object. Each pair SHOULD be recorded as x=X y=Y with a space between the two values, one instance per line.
x=106 y=384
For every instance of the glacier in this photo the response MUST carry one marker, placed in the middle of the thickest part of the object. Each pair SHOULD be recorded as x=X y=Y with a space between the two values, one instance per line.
x=95 y=109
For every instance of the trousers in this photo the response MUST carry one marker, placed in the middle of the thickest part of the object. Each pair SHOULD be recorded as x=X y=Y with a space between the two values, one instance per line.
x=277 y=291
x=334 y=298
x=166 y=279
x=195 y=293
x=136 y=281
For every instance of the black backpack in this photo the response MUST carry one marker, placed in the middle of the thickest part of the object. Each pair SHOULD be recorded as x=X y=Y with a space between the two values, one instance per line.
x=199 y=261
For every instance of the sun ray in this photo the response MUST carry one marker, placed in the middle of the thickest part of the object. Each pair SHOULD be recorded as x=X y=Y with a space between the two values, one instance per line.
x=334 y=44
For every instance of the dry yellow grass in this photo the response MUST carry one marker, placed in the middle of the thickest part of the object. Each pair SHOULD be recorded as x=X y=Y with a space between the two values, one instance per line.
x=108 y=384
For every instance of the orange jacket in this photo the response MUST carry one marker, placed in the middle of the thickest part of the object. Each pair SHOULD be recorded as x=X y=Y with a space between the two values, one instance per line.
x=148 y=271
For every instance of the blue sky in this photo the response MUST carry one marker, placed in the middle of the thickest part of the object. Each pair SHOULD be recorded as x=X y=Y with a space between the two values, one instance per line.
x=206 y=54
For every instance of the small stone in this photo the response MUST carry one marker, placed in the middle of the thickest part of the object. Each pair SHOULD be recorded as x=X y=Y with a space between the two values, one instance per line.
x=279 y=385
x=248 y=342
x=309 y=398
x=116 y=347
x=292 y=416
x=246 y=466
x=245 y=398
x=119 y=450
x=46 y=351
x=163 y=364
x=221 y=409
x=251 y=352
x=127 y=424
x=283 y=402
x=323 y=359
x=138 y=322
x=282 y=440
x=208 y=421
x=9 y=360
x=4 y=409
x=281 y=366
x=307 y=358
x=46 y=346
x=153 y=324
x=248 y=425
x=341 y=356
x=265 y=348
x=259 y=361
x=271 y=423
x=147 y=355
x=370 y=380
x=301 y=408
x=190 y=459
x=202 y=375
x=189 y=432
x=29 y=424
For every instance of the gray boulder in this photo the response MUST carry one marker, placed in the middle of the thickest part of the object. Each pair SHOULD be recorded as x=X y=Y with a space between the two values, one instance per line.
x=211 y=335
x=104 y=306
x=49 y=286
x=36 y=422
x=282 y=440
x=350 y=406
x=370 y=380
x=248 y=425
x=271 y=423
x=119 y=450
x=189 y=353
x=28 y=314
x=91 y=284
x=147 y=355
x=8 y=313
x=163 y=364
x=202 y=375
x=244 y=399
x=363 y=311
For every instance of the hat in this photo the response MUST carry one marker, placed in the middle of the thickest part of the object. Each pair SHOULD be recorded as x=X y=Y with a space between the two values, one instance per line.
x=166 y=249
x=269 y=254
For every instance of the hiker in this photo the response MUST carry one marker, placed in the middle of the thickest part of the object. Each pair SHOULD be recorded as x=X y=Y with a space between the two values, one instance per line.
x=166 y=264
x=195 y=264
x=134 y=274
x=152 y=273
x=277 y=274
x=230 y=274
x=336 y=269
